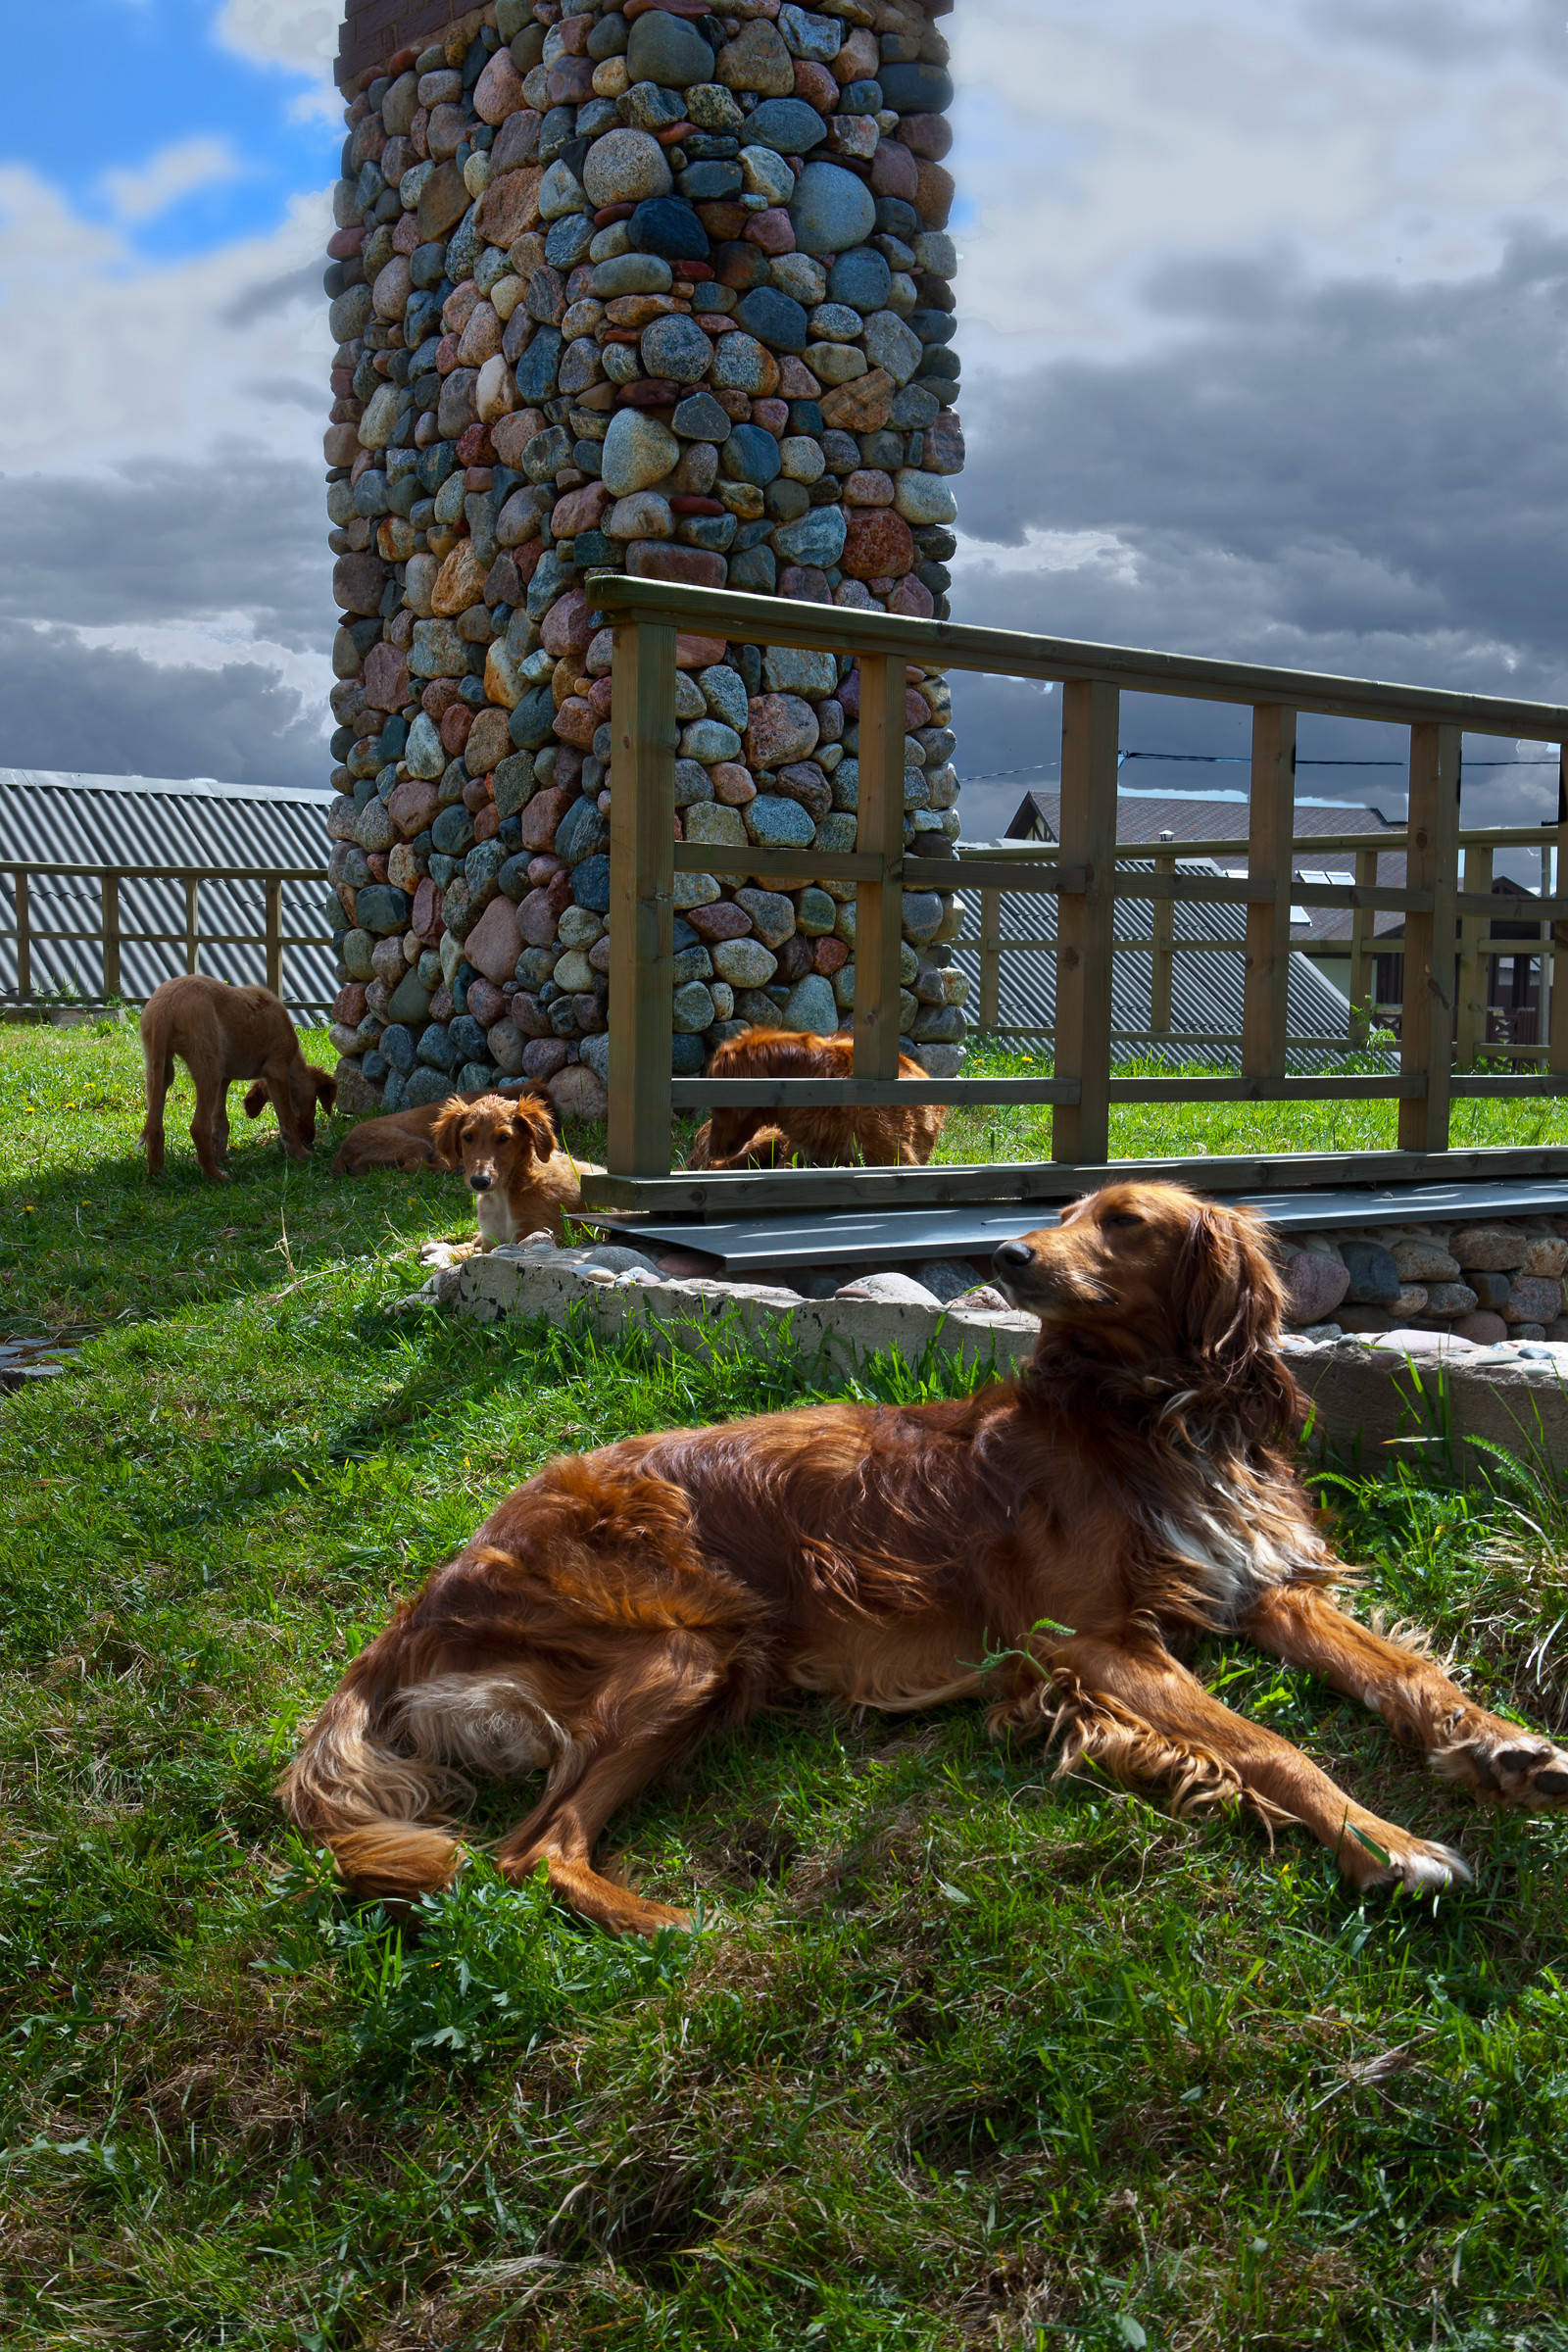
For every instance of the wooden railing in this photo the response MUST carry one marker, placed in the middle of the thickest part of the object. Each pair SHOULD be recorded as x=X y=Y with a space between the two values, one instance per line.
x=1478 y=946
x=111 y=936
x=1080 y=873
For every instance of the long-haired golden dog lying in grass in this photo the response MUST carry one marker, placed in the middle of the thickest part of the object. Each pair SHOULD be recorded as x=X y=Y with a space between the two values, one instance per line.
x=1134 y=1488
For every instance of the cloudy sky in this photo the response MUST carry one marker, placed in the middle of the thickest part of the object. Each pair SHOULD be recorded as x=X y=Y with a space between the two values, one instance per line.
x=1265 y=333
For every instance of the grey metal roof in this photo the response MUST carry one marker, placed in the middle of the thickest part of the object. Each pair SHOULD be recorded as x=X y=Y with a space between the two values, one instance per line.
x=157 y=821
x=1206 y=983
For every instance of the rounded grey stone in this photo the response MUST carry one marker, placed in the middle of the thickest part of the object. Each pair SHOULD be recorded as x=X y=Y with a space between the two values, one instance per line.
x=811 y=1006
x=676 y=347
x=832 y=209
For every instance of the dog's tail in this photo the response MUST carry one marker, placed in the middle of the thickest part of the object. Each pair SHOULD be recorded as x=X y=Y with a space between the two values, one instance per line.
x=375 y=1807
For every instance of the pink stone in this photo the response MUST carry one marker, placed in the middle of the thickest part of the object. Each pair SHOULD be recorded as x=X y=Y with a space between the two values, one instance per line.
x=497 y=92
x=1534 y=1299
x=1482 y=1326
x=495 y=943
x=732 y=784
x=796 y=381
x=1314 y=1286
x=485 y=1000
x=772 y=230
x=580 y=511
x=912 y=598
x=349 y=1005
x=456 y=720
x=543 y=1057
x=698 y=653
x=544 y=869
x=566 y=628
x=576 y=723
x=780 y=727
x=868 y=487
x=385 y=676
x=536 y=920
x=830 y=956
x=895 y=172
x=541 y=817
x=806 y=584
x=722 y=920
x=426 y=918
x=412 y=807
x=692 y=567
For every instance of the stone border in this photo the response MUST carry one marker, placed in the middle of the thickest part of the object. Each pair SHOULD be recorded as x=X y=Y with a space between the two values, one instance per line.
x=1411 y=1395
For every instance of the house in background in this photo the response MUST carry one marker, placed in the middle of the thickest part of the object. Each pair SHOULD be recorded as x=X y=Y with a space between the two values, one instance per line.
x=1322 y=934
x=143 y=822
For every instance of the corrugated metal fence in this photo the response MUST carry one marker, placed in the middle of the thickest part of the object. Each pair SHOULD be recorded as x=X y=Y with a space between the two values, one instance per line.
x=247 y=894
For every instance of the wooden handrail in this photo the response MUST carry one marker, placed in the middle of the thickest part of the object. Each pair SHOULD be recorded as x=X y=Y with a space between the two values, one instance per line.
x=1009 y=653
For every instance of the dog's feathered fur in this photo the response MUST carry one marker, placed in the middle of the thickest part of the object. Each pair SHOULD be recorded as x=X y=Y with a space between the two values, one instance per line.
x=825 y=1135
x=1136 y=1485
x=221 y=1034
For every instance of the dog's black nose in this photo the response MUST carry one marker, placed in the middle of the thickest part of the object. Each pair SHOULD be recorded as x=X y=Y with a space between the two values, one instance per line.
x=481 y=1184
x=1010 y=1258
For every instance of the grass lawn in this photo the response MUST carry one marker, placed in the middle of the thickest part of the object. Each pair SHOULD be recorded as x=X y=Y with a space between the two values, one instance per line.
x=962 y=2056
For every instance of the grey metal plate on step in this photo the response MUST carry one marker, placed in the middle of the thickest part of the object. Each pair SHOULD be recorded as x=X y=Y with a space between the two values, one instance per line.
x=847 y=1236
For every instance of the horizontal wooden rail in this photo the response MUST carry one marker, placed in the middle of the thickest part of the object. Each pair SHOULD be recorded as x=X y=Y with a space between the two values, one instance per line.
x=785 y=1094
x=1008 y=652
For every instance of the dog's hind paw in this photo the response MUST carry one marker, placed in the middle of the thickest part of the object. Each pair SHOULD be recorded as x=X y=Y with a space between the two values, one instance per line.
x=1511 y=1766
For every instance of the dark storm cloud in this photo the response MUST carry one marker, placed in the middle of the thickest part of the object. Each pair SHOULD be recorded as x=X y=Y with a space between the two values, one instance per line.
x=65 y=704
x=1362 y=478
x=239 y=533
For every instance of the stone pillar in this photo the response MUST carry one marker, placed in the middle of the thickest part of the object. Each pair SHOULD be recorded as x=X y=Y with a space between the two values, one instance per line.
x=635 y=288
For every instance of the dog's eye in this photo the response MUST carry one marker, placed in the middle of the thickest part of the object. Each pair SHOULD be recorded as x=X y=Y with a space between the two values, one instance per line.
x=1121 y=1218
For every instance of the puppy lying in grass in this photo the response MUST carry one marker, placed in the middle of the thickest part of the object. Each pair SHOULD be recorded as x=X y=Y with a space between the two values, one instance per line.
x=825 y=1135
x=221 y=1034
x=512 y=1162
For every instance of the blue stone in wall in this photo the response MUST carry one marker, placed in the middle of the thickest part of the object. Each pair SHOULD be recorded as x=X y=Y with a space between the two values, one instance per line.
x=397 y=1043
x=590 y=885
x=428 y=1084
x=774 y=318
x=533 y=721
x=915 y=88
x=466 y=1037
x=583 y=831
x=789 y=125
x=669 y=227
x=453 y=831
x=382 y=909
x=537 y=368
x=435 y=1047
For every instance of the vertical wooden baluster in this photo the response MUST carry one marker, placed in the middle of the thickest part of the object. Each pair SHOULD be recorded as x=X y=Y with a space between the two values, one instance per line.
x=1425 y=1032
x=111 y=934
x=1556 y=1033
x=23 y=881
x=1470 y=1019
x=193 y=925
x=642 y=881
x=1086 y=919
x=879 y=833
x=1364 y=970
x=1270 y=831
x=990 y=961
x=1163 y=969
x=274 y=926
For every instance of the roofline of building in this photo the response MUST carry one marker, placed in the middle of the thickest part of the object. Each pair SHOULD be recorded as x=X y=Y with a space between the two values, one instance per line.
x=198 y=787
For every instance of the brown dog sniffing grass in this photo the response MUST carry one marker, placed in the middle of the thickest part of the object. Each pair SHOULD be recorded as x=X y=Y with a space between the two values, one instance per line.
x=222 y=1034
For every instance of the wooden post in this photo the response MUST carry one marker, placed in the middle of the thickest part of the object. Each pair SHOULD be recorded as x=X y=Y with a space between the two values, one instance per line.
x=1270 y=832
x=990 y=961
x=111 y=934
x=1163 y=969
x=1086 y=918
x=1363 y=969
x=642 y=881
x=272 y=922
x=23 y=882
x=1425 y=1032
x=193 y=924
x=879 y=833
x=1557 y=1032
x=1475 y=966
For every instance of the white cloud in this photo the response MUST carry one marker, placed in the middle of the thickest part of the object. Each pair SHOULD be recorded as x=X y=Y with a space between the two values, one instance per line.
x=170 y=174
x=1111 y=140
x=296 y=36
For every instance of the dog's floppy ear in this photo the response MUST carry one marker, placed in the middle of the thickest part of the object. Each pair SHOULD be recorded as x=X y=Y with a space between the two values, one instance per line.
x=255 y=1098
x=325 y=1088
x=533 y=1126
x=1229 y=1294
x=446 y=1134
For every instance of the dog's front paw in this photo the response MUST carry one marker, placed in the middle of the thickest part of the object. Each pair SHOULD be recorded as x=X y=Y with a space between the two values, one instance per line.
x=1376 y=1854
x=1510 y=1766
x=440 y=1254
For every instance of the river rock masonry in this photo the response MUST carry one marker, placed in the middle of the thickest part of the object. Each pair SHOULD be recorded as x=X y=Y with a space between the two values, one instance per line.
x=635 y=288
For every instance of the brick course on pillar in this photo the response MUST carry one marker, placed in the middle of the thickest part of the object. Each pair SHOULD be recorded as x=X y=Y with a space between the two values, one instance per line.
x=628 y=287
